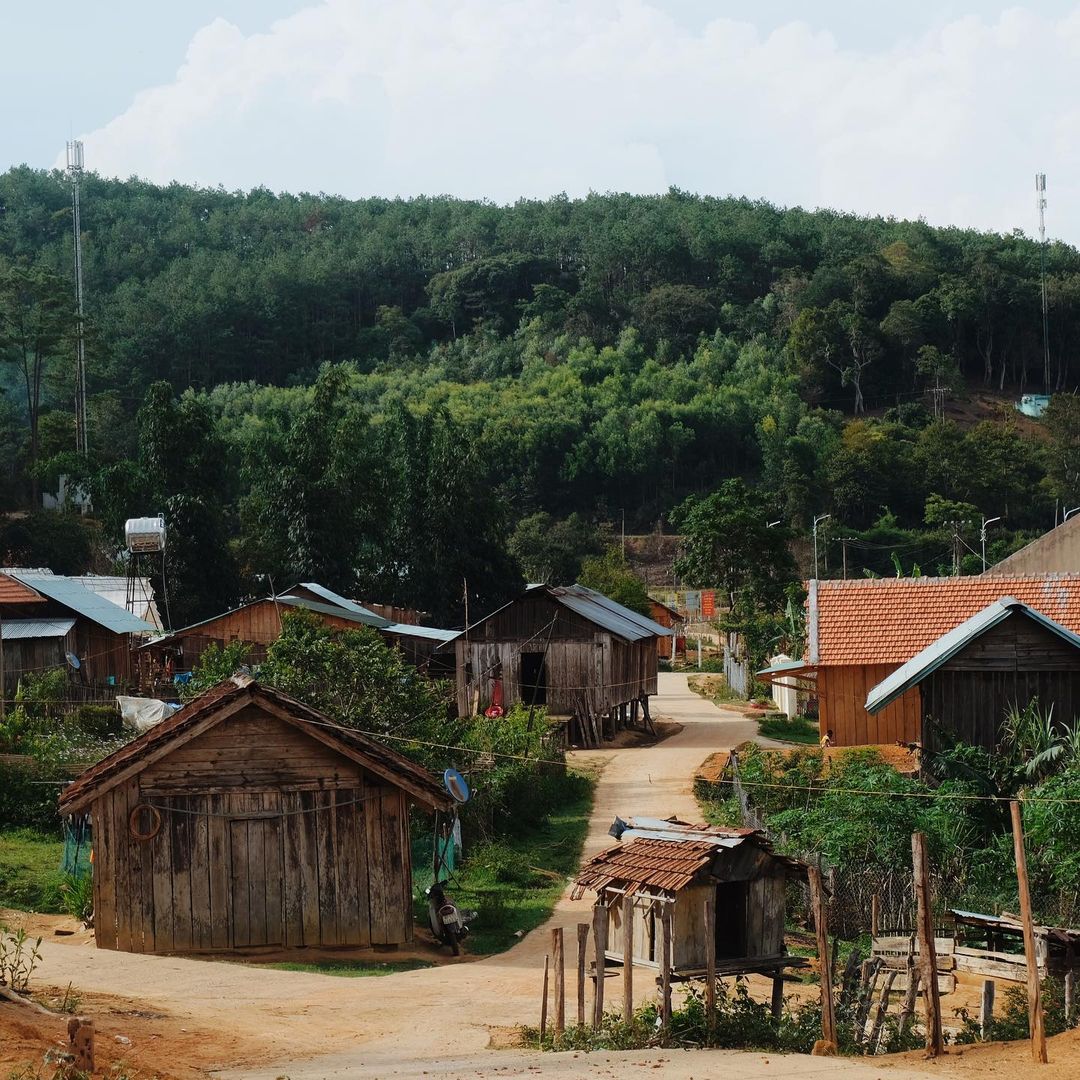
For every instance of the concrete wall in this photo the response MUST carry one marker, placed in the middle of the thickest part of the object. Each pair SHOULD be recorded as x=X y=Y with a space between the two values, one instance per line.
x=1056 y=552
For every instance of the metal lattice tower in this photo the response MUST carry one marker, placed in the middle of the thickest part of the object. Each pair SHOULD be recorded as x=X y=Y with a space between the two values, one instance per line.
x=75 y=171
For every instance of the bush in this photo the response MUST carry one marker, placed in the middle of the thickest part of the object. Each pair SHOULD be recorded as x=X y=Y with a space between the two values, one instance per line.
x=28 y=794
x=1011 y=1022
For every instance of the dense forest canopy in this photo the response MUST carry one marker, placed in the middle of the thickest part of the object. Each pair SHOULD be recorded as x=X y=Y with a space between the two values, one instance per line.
x=383 y=393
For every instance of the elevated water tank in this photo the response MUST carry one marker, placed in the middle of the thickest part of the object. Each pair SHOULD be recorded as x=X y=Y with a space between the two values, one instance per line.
x=145 y=534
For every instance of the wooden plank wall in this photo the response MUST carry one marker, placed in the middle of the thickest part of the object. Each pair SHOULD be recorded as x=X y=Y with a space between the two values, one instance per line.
x=841 y=696
x=24 y=655
x=311 y=861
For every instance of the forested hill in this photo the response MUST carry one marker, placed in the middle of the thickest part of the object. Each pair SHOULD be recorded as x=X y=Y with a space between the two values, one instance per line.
x=595 y=357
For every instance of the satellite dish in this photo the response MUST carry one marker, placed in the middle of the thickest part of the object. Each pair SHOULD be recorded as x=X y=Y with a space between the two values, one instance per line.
x=73 y=660
x=455 y=784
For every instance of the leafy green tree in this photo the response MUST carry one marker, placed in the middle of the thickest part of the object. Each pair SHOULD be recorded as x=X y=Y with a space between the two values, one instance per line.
x=551 y=550
x=611 y=575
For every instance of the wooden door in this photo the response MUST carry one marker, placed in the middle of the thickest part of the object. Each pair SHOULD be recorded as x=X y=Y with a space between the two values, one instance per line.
x=255 y=881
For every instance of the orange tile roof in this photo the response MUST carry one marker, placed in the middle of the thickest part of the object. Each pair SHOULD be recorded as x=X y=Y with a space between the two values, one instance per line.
x=889 y=620
x=13 y=591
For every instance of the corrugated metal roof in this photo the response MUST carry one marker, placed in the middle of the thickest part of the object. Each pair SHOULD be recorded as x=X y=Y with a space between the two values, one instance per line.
x=336 y=599
x=82 y=601
x=21 y=629
x=604 y=612
x=430 y=633
x=361 y=616
x=115 y=589
x=948 y=645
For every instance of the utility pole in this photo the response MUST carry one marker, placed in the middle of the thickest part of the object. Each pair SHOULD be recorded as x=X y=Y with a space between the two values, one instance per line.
x=982 y=537
x=844 y=541
x=1040 y=202
x=957 y=543
x=817 y=521
x=75 y=171
x=623 y=512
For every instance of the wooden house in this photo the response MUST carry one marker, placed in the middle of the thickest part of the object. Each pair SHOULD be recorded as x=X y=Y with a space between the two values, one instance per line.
x=1004 y=656
x=569 y=649
x=46 y=617
x=258 y=625
x=669 y=648
x=669 y=863
x=860 y=631
x=247 y=819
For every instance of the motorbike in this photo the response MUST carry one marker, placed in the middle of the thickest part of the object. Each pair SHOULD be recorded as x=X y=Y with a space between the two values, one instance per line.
x=448 y=922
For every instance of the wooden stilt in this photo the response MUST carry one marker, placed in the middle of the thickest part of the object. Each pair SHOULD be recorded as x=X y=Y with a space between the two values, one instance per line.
x=544 y=1001
x=777 y=996
x=710 y=960
x=986 y=1006
x=821 y=926
x=1036 y=1024
x=628 y=958
x=600 y=928
x=582 y=946
x=665 y=965
x=935 y=1043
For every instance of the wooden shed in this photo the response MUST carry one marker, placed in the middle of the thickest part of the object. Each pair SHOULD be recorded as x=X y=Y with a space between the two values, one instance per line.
x=672 y=863
x=1005 y=656
x=570 y=649
x=669 y=648
x=248 y=819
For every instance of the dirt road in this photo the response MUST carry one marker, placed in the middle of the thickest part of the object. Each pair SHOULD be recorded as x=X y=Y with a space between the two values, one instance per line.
x=434 y=1022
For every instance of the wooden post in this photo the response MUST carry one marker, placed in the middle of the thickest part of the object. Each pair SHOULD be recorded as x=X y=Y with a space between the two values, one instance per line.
x=81 y=1043
x=600 y=927
x=865 y=997
x=560 y=979
x=935 y=1043
x=1035 y=1014
x=882 y=1011
x=778 y=995
x=628 y=957
x=710 y=960
x=817 y=903
x=665 y=965
x=582 y=946
x=907 y=1010
x=875 y=915
x=543 y=1003
x=986 y=1006
x=1070 y=992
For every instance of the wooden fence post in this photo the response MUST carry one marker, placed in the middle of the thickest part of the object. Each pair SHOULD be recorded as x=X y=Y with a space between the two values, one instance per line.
x=81 y=1042
x=560 y=979
x=544 y=1001
x=710 y=960
x=665 y=965
x=875 y=915
x=600 y=928
x=628 y=957
x=935 y=1043
x=817 y=903
x=1036 y=1024
x=882 y=1011
x=582 y=946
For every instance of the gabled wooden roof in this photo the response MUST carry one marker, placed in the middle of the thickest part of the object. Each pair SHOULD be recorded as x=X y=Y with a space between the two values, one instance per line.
x=220 y=702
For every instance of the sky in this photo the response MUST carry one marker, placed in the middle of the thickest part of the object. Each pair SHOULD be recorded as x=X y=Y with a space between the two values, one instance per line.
x=941 y=110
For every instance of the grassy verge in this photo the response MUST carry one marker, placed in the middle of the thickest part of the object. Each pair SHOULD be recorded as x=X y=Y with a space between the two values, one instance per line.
x=350 y=969
x=799 y=730
x=30 y=875
x=713 y=687
x=514 y=882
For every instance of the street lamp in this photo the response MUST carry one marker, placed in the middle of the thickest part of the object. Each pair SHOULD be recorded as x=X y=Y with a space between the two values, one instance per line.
x=1068 y=512
x=982 y=536
x=817 y=522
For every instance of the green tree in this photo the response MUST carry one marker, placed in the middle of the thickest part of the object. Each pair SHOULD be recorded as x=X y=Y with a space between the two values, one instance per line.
x=550 y=550
x=611 y=575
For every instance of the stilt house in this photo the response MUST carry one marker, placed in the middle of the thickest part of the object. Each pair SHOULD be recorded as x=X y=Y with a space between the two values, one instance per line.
x=248 y=820
x=569 y=649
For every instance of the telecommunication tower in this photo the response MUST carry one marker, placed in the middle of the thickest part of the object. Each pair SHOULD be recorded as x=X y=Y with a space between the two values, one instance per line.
x=75 y=171
x=1040 y=202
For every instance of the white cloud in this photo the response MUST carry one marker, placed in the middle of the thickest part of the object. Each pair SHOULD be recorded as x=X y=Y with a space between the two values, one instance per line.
x=533 y=97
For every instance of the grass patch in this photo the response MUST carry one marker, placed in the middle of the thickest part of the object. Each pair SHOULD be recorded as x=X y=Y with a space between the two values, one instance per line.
x=514 y=882
x=30 y=876
x=351 y=969
x=799 y=730
x=714 y=687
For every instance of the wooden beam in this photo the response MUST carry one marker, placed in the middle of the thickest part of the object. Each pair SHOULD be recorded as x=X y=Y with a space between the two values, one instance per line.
x=935 y=1043
x=582 y=946
x=1036 y=1024
x=600 y=928
x=544 y=1000
x=628 y=958
x=560 y=979
x=817 y=904
x=665 y=966
x=710 y=961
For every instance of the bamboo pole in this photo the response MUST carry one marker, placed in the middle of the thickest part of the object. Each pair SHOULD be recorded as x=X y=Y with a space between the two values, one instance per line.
x=710 y=960
x=817 y=903
x=544 y=1001
x=582 y=946
x=628 y=958
x=935 y=1043
x=560 y=979
x=600 y=929
x=1036 y=1025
